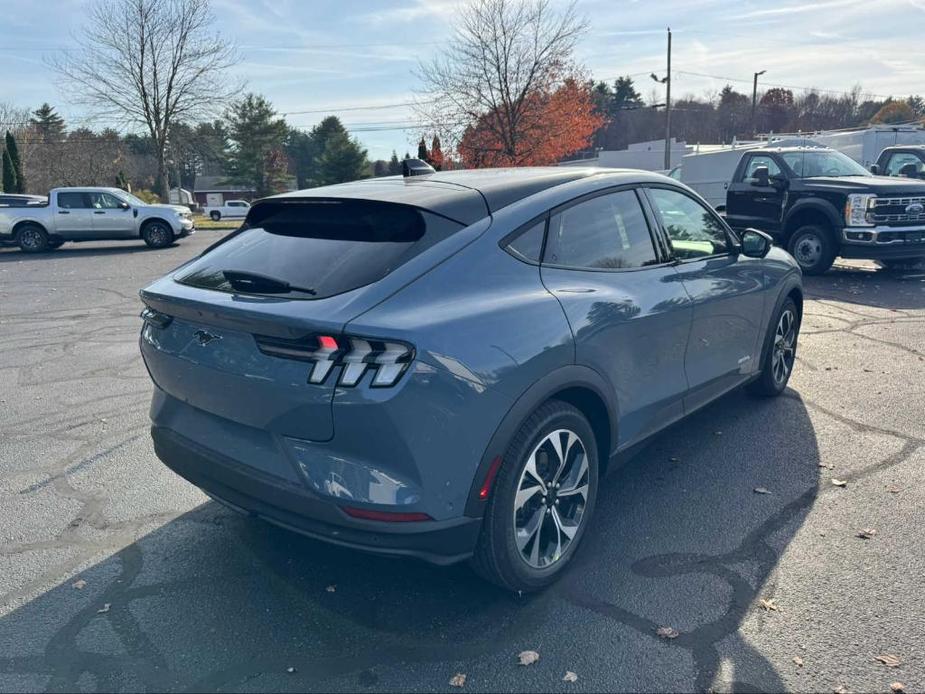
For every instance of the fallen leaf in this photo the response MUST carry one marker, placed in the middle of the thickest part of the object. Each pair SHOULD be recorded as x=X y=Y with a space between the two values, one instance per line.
x=768 y=604
x=667 y=632
x=331 y=588
x=458 y=680
x=290 y=670
x=839 y=483
x=528 y=657
x=673 y=460
x=798 y=660
x=104 y=608
x=897 y=687
x=889 y=659
x=827 y=466
x=569 y=676
x=79 y=584
x=893 y=490
x=866 y=533
x=840 y=690
x=761 y=490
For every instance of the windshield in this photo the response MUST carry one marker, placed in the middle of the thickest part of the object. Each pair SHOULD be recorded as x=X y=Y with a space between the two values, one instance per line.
x=809 y=164
x=130 y=199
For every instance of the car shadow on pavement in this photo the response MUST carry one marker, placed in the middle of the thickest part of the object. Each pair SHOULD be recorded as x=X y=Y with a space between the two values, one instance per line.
x=212 y=600
x=870 y=286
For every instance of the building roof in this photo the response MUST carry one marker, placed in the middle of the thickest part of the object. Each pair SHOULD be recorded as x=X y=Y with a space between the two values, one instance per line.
x=219 y=184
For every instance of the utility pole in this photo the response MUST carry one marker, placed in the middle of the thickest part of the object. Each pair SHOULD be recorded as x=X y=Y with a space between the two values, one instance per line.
x=666 y=80
x=755 y=98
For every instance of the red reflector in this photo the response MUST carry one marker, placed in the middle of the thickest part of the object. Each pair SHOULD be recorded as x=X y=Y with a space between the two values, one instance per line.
x=386 y=516
x=327 y=342
x=490 y=478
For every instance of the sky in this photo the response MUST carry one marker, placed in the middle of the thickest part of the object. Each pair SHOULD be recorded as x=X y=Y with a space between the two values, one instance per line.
x=358 y=59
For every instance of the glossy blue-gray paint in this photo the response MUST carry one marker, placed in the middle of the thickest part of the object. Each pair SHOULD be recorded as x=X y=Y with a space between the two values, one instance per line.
x=492 y=336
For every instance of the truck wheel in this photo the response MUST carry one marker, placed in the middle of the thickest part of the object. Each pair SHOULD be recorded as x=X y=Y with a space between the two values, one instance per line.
x=157 y=234
x=814 y=248
x=32 y=238
x=215 y=216
x=541 y=501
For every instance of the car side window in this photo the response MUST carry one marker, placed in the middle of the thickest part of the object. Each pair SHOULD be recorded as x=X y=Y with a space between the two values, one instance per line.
x=73 y=201
x=758 y=160
x=104 y=201
x=529 y=244
x=692 y=228
x=607 y=232
x=901 y=159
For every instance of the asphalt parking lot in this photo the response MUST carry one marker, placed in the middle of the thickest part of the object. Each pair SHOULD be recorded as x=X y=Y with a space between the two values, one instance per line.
x=117 y=575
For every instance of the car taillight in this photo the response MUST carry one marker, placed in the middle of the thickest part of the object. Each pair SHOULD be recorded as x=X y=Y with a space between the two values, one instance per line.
x=355 y=355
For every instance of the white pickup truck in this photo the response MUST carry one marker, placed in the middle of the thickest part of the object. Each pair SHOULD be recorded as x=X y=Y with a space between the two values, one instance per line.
x=231 y=209
x=89 y=214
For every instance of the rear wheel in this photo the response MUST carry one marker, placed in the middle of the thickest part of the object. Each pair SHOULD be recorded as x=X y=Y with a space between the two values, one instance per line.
x=780 y=352
x=32 y=238
x=542 y=500
x=814 y=248
x=215 y=215
x=157 y=234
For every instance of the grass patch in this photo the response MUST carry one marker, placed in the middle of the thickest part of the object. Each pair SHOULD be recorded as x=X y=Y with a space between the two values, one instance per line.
x=203 y=222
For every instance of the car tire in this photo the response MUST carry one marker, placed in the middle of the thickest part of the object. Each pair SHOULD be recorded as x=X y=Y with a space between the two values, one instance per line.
x=814 y=248
x=779 y=353
x=215 y=216
x=157 y=234
x=515 y=550
x=32 y=238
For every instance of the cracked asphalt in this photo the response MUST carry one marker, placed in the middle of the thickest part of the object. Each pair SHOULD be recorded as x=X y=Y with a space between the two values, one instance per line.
x=117 y=575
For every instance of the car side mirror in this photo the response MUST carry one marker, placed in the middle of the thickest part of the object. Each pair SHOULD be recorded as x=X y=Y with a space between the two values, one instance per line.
x=909 y=171
x=875 y=170
x=761 y=177
x=755 y=243
x=124 y=205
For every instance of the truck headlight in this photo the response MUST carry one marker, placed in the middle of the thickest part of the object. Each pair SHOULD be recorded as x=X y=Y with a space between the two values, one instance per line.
x=856 y=209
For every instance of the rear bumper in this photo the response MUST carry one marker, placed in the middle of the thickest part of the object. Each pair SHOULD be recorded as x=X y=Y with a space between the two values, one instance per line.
x=289 y=505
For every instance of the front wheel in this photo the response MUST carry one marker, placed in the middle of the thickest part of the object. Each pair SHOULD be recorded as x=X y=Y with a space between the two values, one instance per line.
x=780 y=352
x=216 y=216
x=814 y=248
x=542 y=500
x=157 y=234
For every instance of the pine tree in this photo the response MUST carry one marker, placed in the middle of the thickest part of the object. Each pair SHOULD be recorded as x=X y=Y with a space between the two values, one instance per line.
x=342 y=159
x=19 y=181
x=422 y=151
x=255 y=132
x=9 y=175
x=50 y=125
x=394 y=165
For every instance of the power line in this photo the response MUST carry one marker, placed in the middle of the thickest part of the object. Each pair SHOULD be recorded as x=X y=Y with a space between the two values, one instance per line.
x=787 y=86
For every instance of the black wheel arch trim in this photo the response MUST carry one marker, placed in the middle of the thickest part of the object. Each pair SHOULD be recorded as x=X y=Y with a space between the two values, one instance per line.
x=823 y=207
x=562 y=379
x=787 y=287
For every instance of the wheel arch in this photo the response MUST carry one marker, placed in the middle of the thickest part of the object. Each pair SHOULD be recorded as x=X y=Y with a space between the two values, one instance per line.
x=791 y=289
x=581 y=387
x=24 y=223
x=810 y=212
x=150 y=220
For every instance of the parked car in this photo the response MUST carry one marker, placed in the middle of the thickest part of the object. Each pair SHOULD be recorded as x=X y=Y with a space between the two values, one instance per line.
x=444 y=366
x=236 y=209
x=90 y=214
x=19 y=200
x=907 y=161
x=820 y=204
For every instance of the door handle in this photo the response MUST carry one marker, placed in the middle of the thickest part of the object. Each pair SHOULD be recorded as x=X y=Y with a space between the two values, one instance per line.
x=64 y=211
x=99 y=212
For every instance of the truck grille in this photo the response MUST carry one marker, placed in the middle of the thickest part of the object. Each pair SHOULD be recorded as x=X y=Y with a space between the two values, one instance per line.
x=893 y=211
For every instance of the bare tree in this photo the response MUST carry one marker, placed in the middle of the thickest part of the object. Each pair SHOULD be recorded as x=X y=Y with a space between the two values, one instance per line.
x=151 y=63
x=503 y=54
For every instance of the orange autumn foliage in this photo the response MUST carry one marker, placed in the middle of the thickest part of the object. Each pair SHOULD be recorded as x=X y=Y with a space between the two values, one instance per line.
x=541 y=130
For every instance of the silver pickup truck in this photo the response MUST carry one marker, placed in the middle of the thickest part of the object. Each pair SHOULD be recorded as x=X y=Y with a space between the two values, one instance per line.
x=89 y=214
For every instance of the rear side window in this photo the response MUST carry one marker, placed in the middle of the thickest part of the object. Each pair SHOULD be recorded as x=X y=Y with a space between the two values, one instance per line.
x=529 y=244
x=607 y=232
x=73 y=201
x=325 y=246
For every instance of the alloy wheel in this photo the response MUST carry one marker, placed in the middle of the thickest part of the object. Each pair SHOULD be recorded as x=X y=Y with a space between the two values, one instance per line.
x=31 y=238
x=551 y=497
x=784 y=347
x=157 y=233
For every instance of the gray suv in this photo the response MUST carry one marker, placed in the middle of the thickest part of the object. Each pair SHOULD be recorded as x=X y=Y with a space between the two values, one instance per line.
x=442 y=366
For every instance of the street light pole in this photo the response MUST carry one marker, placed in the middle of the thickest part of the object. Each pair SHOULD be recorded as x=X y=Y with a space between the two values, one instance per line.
x=755 y=97
x=666 y=80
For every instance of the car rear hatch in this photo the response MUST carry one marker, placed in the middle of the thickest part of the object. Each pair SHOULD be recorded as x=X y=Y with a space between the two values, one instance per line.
x=232 y=334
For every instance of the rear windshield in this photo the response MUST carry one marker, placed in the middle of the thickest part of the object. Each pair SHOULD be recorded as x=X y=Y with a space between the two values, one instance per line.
x=319 y=247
